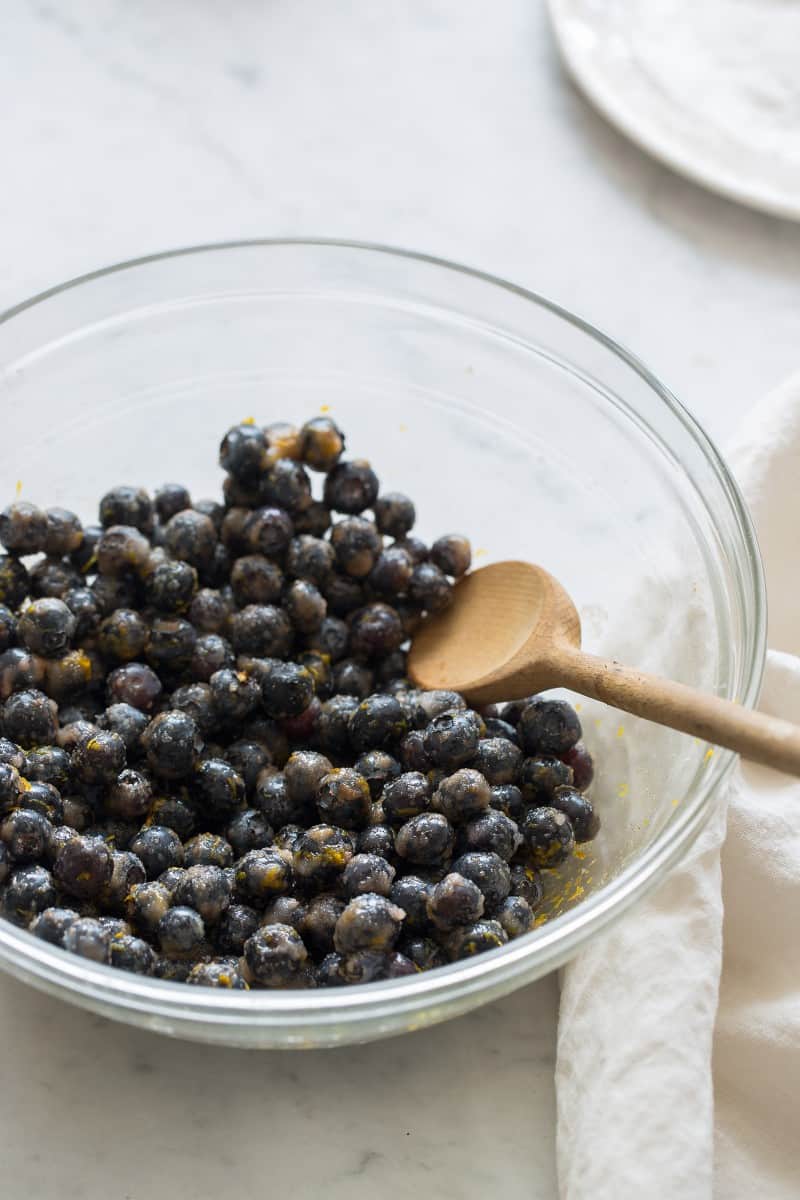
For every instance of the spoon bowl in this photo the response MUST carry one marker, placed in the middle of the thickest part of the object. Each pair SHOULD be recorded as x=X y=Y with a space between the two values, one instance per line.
x=497 y=640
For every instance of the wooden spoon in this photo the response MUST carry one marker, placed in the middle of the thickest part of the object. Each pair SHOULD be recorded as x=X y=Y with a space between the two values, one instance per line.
x=512 y=630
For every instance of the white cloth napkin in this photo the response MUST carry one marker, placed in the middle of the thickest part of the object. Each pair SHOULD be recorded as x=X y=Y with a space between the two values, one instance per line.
x=678 y=1073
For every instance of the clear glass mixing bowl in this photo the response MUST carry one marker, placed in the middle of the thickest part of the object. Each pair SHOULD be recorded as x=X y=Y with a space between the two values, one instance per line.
x=506 y=418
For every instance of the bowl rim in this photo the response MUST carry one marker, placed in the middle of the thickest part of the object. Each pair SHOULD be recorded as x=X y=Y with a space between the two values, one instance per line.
x=180 y=1008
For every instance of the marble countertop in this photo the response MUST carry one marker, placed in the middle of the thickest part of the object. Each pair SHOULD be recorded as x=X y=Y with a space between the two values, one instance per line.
x=443 y=125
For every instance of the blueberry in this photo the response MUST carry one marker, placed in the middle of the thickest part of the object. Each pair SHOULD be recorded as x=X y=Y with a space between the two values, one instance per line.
x=476 y=939
x=344 y=594
x=170 y=644
x=497 y=759
x=321 y=854
x=288 y=486
x=526 y=882
x=99 y=758
x=423 y=952
x=367 y=873
x=343 y=798
x=171 y=587
x=8 y=627
x=452 y=554
x=430 y=587
x=350 y=487
x=206 y=889
x=14 y=581
x=158 y=848
x=412 y=752
x=492 y=830
x=310 y=558
x=580 y=811
x=262 y=630
x=146 y=904
x=249 y=830
x=169 y=499
x=48 y=764
x=129 y=953
x=488 y=871
x=426 y=839
x=134 y=684
x=64 y=532
x=317 y=922
x=129 y=796
x=51 y=924
x=462 y=796
x=219 y=973
x=376 y=630
x=261 y=875
x=23 y=528
x=331 y=639
x=303 y=772
x=207 y=848
x=29 y=891
x=539 y=777
x=89 y=938
x=43 y=798
x=377 y=839
x=236 y=925
x=46 y=627
x=582 y=765
x=356 y=544
x=549 y=727
x=286 y=689
x=25 y=834
x=243 y=452
x=127 y=506
x=548 y=835
x=180 y=932
x=29 y=718
x=127 y=870
x=283 y=441
x=377 y=722
x=411 y=894
x=275 y=956
x=333 y=726
x=234 y=695
x=83 y=867
x=314 y=520
x=218 y=789
x=378 y=768
x=172 y=744
x=321 y=443
x=406 y=796
x=394 y=514
x=209 y=611
x=451 y=739
x=191 y=537
x=391 y=574
x=454 y=901
x=495 y=728
x=369 y=922
x=516 y=916
x=257 y=580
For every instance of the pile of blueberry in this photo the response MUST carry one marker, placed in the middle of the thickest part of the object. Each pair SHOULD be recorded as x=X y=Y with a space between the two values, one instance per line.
x=213 y=767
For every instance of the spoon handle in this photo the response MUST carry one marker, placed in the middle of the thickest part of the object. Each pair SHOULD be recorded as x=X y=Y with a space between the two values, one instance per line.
x=762 y=739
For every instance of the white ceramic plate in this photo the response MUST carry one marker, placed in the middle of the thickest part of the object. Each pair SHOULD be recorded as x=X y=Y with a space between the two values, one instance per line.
x=694 y=89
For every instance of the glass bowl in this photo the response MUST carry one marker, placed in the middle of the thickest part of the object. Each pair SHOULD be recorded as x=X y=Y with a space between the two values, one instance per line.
x=506 y=418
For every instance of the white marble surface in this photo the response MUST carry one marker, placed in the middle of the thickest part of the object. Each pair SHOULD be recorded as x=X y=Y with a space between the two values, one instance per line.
x=444 y=125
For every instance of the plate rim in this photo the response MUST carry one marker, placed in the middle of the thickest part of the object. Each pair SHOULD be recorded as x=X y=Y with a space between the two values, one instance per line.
x=649 y=135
